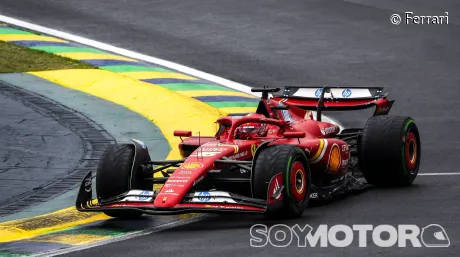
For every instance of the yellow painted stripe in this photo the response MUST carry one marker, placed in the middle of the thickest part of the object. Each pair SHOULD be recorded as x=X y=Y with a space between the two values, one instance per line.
x=94 y=56
x=156 y=75
x=30 y=227
x=167 y=109
x=77 y=239
x=228 y=110
x=320 y=149
x=194 y=93
x=13 y=37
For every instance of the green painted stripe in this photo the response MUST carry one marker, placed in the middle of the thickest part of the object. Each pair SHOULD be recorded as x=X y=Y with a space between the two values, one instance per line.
x=132 y=68
x=12 y=254
x=67 y=49
x=11 y=31
x=99 y=231
x=194 y=86
x=233 y=104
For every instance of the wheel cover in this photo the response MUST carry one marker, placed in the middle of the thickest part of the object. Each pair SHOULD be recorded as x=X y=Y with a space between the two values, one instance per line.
x=298 y=181
x=411 y=150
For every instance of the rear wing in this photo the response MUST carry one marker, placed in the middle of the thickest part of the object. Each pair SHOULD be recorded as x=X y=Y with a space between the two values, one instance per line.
x=331 y=98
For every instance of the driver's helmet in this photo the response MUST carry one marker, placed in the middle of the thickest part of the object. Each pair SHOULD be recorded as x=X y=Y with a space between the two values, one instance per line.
x=252 y=129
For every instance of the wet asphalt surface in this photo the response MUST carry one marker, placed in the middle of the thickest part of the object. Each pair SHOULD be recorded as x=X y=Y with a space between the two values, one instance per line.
x=277 y=43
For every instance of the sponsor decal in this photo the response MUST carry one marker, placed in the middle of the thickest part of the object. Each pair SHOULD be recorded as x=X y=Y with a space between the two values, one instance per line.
x=199 y=153
x=275 y=184
x=314 y=196
x=138 y=196
x=169 y=191
x=185 y=172
x=239 y=155
x=253 y=149
x=179 y=177
x=164 y=199
x=175 y=185
x=318 y=92
x=235 y=147
x=328 y=130
x=344 y=163
x=275 y=190
x=198 y=180
x=346 y=93
x=192 y=165
x=211 y=149
x=204 y=196
x=334 y=162
x=345 y=148
x=177 y=180
x=213 y=196
x=168 y=194
x=146 y=195
x=88 y=184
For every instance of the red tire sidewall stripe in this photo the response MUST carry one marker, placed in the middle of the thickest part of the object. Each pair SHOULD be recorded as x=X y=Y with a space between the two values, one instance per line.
x=411 y=139
x=298 y=171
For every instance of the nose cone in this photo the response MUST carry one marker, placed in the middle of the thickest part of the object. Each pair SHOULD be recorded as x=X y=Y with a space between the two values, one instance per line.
x=189 y=173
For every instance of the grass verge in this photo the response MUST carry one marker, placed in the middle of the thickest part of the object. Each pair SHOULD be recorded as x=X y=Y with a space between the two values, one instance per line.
x=14 y=58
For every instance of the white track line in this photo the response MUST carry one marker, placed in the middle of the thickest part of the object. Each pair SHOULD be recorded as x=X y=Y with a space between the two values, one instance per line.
x=139 y=56
x=440 y=174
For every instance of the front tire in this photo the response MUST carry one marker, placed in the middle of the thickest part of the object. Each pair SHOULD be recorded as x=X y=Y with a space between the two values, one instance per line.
x=390 y=151
x=114 y=177
x=289 y=164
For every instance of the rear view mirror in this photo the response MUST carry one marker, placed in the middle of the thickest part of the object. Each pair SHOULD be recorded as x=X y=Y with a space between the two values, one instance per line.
x=294 y=134
x=182 y=133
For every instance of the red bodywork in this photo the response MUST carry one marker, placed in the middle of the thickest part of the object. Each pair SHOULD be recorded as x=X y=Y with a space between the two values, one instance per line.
x=328 y=156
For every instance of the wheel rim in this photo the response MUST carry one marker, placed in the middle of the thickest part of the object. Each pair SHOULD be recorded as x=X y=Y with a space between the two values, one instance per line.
x=298 y=181
x=411 y=152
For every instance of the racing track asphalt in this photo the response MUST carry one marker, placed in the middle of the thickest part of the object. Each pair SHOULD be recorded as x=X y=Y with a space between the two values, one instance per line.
x=35 y=149
x=268 y=42
x=46 y=148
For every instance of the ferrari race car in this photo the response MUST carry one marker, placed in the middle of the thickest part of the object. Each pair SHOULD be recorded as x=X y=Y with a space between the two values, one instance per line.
x=273 y=161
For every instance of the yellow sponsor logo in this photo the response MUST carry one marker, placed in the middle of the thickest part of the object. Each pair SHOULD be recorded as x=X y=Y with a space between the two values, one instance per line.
x=192 y=165
x=253 y=149
x=335 y=160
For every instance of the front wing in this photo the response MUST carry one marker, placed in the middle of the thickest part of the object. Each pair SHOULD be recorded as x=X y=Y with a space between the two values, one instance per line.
x=143 y=201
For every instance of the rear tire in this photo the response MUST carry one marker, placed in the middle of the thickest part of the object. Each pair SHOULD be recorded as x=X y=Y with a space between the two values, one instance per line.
x=114 y=177
x=390 y=151
x=292 y=163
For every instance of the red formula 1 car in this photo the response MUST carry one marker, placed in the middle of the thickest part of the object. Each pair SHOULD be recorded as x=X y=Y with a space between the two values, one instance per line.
x=273 y=161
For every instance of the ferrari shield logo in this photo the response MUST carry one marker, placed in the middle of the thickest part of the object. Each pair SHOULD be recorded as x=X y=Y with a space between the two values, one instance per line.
x=253 y=149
